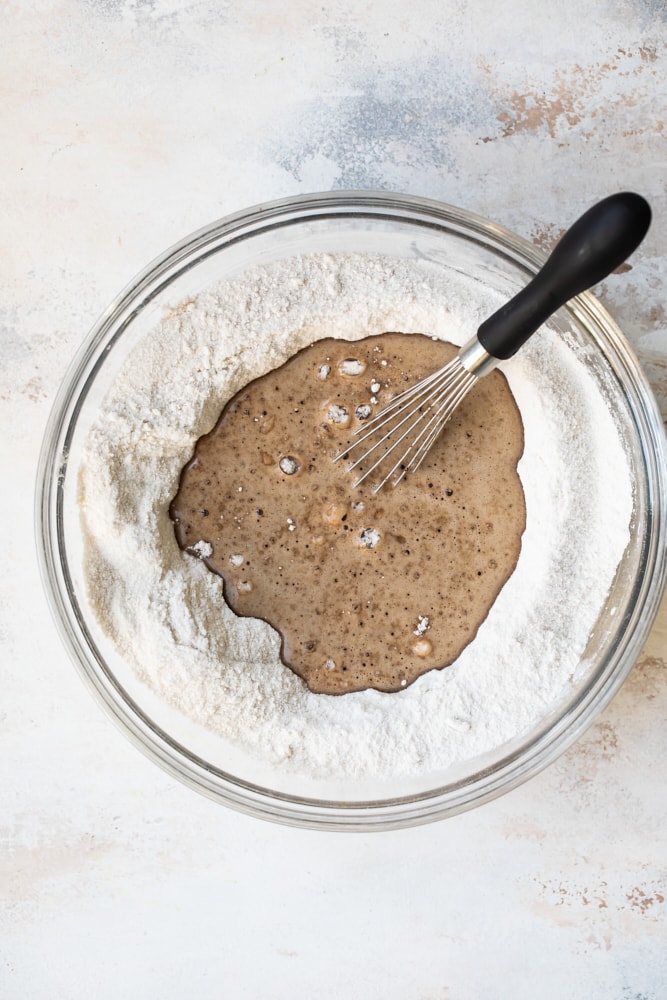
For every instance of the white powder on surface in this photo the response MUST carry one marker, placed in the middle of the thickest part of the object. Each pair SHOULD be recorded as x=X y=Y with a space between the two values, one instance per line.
x=165 y=611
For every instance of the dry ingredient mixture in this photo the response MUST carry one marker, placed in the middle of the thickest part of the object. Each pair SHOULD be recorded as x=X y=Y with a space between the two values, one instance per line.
x=165 y=611
x=366 y=589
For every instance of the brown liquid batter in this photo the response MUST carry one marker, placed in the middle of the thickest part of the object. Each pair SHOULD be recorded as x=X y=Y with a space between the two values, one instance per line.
x=366 y=591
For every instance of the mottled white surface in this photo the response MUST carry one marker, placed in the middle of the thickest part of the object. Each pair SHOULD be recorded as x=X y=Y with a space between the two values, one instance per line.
x=126 y=125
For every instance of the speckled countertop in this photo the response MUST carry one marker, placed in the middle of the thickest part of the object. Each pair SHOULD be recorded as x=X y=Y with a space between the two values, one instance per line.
x=126 y=125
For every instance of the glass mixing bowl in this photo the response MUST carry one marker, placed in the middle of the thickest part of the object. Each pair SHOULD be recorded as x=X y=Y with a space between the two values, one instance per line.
x=394 y=225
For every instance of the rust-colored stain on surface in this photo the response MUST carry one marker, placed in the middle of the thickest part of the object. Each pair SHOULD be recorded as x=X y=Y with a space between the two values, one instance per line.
x=580 y=97
x=530 y=112
x=34 y=389
x=639 y=898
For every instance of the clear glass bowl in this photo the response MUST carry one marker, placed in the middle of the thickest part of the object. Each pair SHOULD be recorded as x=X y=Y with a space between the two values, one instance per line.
x=405 y=227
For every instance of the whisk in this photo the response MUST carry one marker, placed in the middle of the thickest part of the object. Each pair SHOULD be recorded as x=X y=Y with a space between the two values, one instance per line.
x=399 y=436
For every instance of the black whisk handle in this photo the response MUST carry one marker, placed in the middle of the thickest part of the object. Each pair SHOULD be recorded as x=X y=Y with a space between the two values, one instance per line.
x=600 y=240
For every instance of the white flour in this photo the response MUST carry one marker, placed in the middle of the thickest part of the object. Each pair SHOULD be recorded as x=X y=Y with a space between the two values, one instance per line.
x=165 y=610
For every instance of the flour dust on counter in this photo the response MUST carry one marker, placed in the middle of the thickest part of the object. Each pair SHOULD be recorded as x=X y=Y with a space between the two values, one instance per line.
x=165 y=613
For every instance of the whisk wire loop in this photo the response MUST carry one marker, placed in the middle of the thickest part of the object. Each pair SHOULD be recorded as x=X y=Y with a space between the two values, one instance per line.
x=417 y=415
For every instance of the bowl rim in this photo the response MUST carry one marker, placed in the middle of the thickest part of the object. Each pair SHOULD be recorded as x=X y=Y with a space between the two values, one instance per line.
x=386 y=813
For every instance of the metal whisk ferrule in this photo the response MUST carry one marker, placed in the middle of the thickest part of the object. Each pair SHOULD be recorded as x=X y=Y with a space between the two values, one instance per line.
x=413 y=419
